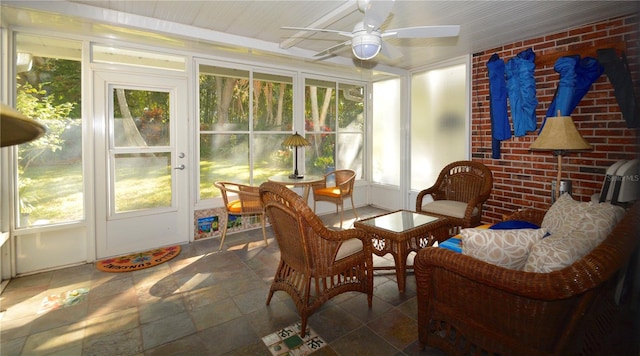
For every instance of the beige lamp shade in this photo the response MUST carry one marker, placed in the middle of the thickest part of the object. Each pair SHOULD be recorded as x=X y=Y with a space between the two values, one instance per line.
x=295 y=140
x=559 y=134
x=16 y=128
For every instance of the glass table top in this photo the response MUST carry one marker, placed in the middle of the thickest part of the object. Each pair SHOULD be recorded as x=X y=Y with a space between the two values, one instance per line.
x=399 y=221
x=295 y=181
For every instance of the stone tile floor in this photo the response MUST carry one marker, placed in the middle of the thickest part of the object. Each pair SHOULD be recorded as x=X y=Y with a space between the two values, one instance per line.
x=203 y=302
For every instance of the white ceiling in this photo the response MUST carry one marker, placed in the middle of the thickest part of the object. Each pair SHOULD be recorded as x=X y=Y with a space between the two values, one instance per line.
x=255 y=26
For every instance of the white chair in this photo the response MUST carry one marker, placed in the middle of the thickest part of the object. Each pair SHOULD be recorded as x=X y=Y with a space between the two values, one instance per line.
x=621 y=183
x=606 y=193
x=626 y=187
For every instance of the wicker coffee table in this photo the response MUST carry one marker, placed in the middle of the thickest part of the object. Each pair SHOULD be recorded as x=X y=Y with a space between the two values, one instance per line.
x=401 y=232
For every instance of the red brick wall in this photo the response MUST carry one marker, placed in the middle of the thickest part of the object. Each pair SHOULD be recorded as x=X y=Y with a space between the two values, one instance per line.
x=522 y=178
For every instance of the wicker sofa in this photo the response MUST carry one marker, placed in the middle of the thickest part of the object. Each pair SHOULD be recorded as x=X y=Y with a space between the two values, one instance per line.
x=467 y=306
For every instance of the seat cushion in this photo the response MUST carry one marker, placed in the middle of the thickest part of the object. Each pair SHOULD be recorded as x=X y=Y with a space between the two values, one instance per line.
x=447 y=207
x=236 y=207
x=348 y=248
x=328 y=191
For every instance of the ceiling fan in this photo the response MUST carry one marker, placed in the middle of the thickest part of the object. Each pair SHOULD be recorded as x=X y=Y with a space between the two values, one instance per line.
x=367 y=39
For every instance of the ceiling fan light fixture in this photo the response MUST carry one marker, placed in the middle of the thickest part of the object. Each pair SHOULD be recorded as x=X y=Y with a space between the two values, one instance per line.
x=366 y=46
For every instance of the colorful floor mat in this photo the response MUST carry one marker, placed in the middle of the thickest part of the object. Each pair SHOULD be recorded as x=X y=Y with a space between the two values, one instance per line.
x=138 y=261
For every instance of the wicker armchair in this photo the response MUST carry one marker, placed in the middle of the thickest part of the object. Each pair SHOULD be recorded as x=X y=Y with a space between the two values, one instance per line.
x=467 y=306
x=316 y=263
x=344 y=180
x=247 y=203
x=459 y=193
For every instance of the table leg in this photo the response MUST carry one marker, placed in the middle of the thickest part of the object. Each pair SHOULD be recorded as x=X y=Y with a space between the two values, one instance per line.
x=401 y=266
x=305 y=193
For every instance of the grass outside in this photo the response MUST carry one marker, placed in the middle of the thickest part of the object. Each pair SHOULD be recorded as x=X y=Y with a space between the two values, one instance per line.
x=55 y=192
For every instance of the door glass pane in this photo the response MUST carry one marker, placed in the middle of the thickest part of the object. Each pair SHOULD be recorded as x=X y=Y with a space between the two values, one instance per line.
x=50 y=185
x=142 y=181
x=141 y=118
x=141 y=121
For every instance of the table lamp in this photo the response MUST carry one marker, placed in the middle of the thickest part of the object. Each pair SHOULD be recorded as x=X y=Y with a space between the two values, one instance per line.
x=559 y=135
x=296 y=141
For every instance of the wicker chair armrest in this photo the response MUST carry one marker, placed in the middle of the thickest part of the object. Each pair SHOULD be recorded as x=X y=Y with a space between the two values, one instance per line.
x=423 y=193
x=327 y=249
x=534 y=216
x=342 y=235
x=476 y=202
x=357 y=234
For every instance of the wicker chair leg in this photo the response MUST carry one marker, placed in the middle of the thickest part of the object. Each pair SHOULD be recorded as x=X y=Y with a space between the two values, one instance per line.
x=271 y=291
x=341 y=214
x=353 y=206
x=303 y=327
x=224 y=233
x=264 y=229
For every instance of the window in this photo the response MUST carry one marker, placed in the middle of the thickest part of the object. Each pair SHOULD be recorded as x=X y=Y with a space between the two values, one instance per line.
x=334 y=122
x=439 y=122
x=50 y=177
x=244 y=118
x=387 y=143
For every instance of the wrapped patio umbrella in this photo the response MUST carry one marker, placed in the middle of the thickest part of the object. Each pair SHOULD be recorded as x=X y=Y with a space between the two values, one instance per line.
x=500 y=128
x=576 y=77
x=16 y=128
x=521 y=85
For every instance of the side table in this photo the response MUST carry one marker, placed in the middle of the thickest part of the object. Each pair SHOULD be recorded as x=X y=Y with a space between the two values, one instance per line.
x=400 y=233
x=306 y=182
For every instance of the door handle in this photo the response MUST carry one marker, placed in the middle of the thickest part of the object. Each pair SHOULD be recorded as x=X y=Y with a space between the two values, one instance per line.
x=180 y=167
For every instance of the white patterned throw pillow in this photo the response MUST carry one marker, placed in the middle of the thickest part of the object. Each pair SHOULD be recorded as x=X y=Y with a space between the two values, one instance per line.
x=564 y=215
x=506 y=248
x=582 y=232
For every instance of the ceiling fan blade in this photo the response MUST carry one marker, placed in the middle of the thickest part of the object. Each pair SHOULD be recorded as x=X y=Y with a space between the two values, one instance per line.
x=423 y=32
x=342 y=33
x=333 y=49
x=375 y=13
x=390 y=51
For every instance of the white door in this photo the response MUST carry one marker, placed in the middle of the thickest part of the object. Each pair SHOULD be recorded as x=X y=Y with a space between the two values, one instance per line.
x=141 y=128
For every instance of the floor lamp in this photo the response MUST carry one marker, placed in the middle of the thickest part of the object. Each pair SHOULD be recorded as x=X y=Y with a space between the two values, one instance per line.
x=296 y=141
x=559 y=135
